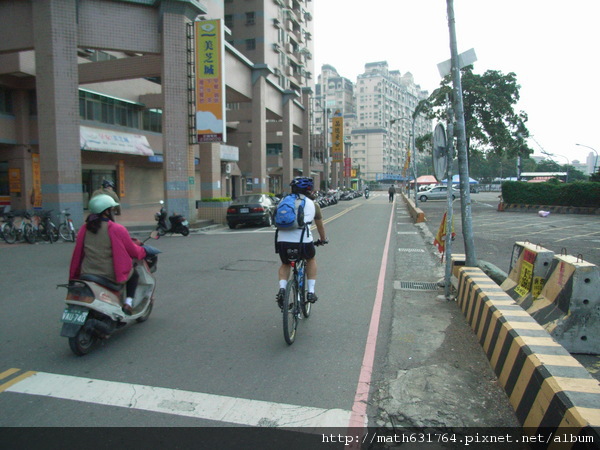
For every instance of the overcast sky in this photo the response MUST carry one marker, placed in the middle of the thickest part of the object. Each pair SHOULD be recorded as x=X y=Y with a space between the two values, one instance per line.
x=552 y=46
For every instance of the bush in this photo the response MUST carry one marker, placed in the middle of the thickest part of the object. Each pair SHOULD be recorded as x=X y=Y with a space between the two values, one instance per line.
x=553 y=193
x=217 y=199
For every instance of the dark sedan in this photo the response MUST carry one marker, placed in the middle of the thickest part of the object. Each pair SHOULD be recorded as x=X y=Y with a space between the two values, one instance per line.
x=251 y=209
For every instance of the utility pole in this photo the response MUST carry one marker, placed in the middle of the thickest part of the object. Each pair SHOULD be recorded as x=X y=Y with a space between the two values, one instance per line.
x=463 y=162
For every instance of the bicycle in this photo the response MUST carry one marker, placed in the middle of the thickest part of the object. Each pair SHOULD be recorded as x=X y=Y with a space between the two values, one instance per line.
x=66 y=229
x=24 y=231
x=43 y=228
x=294 y=302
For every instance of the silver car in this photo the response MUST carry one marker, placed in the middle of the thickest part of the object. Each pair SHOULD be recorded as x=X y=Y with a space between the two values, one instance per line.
x=436 y=193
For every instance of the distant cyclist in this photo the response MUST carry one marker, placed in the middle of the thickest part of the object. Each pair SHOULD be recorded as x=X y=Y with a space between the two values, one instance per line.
x=300 y=241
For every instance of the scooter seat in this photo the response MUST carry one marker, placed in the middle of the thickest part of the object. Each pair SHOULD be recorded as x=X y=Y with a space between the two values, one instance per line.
x=103 y=281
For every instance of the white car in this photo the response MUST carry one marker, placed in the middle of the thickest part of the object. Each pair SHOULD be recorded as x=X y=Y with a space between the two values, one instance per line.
x=436 y=193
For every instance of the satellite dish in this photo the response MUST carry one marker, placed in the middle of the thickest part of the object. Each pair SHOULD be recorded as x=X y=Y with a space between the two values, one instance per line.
x=440 y=152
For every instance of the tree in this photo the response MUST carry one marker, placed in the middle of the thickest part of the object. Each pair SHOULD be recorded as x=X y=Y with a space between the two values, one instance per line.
x=491 y=123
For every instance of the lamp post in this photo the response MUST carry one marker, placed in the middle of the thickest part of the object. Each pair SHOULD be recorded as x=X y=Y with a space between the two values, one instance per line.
x=412 y=144
x=562 y=156
x=596 y=161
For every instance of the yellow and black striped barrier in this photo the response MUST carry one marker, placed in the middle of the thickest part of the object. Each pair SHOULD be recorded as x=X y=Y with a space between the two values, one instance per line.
x=547 y=387
x=528 y=271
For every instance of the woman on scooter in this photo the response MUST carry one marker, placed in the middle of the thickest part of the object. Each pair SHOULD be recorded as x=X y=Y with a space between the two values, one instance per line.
x=105 y=248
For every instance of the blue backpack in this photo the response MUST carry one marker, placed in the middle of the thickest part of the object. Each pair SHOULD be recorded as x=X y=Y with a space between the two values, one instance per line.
x=290 y=212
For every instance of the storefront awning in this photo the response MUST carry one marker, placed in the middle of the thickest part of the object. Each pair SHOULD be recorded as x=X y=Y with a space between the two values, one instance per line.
x=101 y=140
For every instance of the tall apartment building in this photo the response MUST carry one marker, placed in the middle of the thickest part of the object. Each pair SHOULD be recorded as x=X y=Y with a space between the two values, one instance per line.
x=381 y=135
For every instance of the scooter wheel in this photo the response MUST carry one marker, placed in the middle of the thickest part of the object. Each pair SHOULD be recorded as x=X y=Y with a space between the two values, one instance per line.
x=161 y=231
x=147 y=313
x=185 y=231
x=82 y=343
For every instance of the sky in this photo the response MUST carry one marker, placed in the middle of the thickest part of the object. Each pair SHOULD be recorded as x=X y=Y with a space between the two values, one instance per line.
x=552 y=46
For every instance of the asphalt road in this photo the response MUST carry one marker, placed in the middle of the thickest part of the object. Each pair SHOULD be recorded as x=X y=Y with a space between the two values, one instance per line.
x=215 y=329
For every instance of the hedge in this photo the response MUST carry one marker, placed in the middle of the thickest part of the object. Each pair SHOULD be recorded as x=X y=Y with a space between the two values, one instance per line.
x=553 y=193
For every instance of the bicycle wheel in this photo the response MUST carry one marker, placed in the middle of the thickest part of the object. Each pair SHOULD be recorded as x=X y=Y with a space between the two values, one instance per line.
x=66 y=233
x=43 y=232
x=52 y=232
x=9 y=233
x=290 y=318
x=29 y=233
x=304 y=305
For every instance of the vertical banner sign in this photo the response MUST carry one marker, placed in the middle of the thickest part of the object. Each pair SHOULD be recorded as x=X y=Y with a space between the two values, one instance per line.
x=210 y=81
x=36 y=197
x=337 y=138
x=14 y=180
x=347 y=167
x=121 y=177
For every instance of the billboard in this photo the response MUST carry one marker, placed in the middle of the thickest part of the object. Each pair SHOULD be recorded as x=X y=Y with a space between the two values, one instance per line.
x=210 y=81
x=337 y=138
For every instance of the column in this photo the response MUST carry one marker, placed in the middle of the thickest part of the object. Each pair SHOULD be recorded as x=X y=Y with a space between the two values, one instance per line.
x=57 y=82
x=210 y=170
x=288 y=137
x=259 y=128
x=306 y=169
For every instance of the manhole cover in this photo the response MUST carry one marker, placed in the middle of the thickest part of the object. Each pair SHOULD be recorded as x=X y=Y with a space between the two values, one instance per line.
x=416 y=285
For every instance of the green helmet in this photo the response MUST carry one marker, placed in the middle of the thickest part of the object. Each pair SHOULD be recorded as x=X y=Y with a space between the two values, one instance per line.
x=101 y=202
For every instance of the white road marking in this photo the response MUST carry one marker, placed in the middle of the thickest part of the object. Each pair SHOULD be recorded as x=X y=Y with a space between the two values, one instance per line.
x=182 y=403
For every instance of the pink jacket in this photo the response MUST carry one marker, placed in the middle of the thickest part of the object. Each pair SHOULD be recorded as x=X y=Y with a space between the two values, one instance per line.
x=123 y=248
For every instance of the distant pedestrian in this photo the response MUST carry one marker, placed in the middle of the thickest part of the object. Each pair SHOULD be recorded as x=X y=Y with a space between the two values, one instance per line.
x=108 y=188
x=391 y=192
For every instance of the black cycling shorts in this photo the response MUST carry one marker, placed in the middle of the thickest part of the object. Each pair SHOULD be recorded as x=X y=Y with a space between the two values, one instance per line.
x=293 y=251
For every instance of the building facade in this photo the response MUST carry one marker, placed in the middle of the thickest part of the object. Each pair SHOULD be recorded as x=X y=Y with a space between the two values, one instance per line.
x=100 y=90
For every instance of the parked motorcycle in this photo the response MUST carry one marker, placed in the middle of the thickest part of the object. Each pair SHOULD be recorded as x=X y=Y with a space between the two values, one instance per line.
x=177 y=223
x=366 y=194
x=94 y=304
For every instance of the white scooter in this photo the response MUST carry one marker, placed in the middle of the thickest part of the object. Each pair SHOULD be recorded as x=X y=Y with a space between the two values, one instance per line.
x=94 y=303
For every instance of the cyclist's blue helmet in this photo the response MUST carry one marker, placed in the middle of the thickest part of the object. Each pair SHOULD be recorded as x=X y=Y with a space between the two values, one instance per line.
x=302 y=184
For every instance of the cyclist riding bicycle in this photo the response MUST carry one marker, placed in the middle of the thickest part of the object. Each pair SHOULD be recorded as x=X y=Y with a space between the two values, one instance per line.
x=299 y=241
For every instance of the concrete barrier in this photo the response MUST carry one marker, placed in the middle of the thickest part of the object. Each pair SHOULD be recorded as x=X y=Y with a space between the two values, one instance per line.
x=417 y=214
x=546 y=386
x=528 y=272
x=568 y=306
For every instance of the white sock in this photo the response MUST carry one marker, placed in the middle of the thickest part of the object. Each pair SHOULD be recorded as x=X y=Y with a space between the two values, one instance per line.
x=311 y=285
x=282 y=284
x=129 y=301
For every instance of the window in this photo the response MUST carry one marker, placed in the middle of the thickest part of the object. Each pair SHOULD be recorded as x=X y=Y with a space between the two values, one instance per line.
x=6 y=105
x=250 y=18
x=250 y=44
x=229 y=21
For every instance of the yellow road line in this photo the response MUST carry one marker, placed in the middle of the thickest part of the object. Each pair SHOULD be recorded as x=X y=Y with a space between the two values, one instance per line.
x=15 y=380
x=576 y=236
x=8 y=373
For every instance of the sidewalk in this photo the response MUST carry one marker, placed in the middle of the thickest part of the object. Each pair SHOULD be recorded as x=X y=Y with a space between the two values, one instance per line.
x=435 y=374
x=141 y=219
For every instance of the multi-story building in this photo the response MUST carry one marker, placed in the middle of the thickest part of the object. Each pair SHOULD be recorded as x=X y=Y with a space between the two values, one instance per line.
x=381 y=135
x=101 y=89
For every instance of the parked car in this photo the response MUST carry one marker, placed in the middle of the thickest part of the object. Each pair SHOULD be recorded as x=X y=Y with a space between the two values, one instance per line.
x=251 y=209
x=437 y=193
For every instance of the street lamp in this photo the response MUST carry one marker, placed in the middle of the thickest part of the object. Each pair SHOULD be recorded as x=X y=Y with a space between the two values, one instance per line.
x=562 y=156
x=413 y=148
x=596 y=162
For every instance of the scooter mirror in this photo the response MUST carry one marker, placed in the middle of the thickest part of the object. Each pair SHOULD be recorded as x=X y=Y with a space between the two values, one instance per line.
x=162 y=202
x=154 y=235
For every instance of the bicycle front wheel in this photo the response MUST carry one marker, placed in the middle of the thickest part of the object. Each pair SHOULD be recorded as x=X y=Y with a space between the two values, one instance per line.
x=9 y=233
x=304 y=305
x=66 y=233
x=29 y=234
x=290 y=317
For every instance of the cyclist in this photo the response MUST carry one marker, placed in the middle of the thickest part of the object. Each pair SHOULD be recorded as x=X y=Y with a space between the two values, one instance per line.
x=300 y=241
x=105 y=248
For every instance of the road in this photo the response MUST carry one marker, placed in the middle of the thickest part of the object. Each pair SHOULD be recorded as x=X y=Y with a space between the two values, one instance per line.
x=215 y=331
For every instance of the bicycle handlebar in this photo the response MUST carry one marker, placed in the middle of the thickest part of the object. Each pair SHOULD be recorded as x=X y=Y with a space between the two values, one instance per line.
x=320 y=242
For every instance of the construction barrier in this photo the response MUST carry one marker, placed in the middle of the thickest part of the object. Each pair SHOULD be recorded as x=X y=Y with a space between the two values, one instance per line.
x=568 y=306
x=546 y=386
x=528 y=271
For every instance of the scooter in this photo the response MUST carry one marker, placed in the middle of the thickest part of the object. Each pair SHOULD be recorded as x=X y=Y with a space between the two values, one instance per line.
x=366 y=194
x=93 y=310
x=178 y=223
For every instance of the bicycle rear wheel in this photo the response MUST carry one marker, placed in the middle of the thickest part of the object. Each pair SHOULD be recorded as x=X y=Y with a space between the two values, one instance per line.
x=9 y=233
x=304 y=305
x=65 y=232
x=29 y=234
x=290 y=318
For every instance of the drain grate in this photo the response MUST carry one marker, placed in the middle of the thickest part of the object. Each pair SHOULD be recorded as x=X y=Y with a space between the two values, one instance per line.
x=416 y=285
x=411 y=250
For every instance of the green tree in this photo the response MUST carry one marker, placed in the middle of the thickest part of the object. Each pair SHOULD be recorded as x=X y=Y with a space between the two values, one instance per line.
x=492 y=125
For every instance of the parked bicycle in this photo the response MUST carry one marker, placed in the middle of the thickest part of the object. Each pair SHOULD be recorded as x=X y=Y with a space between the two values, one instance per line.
x=12 y=233
x=294 y=302
x=42 y=227
x=66 y=229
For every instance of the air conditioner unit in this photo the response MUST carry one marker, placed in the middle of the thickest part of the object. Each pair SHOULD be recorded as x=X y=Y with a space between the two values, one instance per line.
x=276 y=48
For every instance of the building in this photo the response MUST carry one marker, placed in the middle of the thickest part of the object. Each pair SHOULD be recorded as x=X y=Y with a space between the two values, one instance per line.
x=101 y=90
x=381 y=136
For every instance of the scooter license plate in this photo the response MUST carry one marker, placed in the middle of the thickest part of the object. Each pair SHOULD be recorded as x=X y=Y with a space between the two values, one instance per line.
x=74 y=316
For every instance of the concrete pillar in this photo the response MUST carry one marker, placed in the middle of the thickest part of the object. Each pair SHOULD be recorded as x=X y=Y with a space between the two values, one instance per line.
x=178 y=153
x=288 y=136
x=210 y=170
x=306 y=169
x=57 y=82
x=259 y=128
